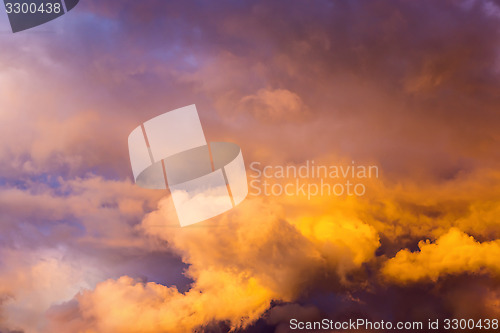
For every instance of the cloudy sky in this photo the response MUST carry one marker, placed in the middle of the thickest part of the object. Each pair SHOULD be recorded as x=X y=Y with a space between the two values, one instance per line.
x=410 y=86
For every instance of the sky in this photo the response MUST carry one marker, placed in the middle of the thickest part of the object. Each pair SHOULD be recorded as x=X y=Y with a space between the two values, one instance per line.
x=412 y=87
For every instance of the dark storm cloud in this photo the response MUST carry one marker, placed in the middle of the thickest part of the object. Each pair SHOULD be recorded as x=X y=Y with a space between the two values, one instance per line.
x=414 y=80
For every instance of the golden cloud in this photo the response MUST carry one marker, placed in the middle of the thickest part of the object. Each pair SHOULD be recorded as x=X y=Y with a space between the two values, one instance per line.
x=453 y=253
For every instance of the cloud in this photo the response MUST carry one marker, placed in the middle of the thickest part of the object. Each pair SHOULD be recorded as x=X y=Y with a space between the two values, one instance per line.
x=126 y=305
x=243 y=261
x=289 y=82
x=58 y=240
x=34 y=280
x=453 y=253
x=238 y=268
x=278 y=105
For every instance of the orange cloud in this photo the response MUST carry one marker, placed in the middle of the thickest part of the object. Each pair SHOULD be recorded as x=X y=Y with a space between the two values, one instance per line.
x=240 y=262
x=453 y=253
x=294 y=245
x=126 y=305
